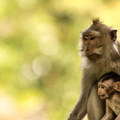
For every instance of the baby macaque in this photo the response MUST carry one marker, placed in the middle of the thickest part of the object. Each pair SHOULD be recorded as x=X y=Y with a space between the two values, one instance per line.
x=109 y=90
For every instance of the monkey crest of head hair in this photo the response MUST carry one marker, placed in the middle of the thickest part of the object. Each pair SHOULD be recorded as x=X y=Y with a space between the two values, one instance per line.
x=99 y=26
x=109 y=75
x=96 y=21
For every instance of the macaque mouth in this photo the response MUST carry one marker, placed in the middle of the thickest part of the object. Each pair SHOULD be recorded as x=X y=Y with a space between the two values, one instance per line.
x=102 y=96
x=91 y=55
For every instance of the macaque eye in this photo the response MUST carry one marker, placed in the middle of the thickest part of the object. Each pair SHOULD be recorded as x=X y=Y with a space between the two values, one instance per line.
x=85 y=38
x=102 y=87
x=92 y=38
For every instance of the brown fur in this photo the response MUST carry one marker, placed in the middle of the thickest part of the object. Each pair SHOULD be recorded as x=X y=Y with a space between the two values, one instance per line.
x=108 y=89
x=95 y=64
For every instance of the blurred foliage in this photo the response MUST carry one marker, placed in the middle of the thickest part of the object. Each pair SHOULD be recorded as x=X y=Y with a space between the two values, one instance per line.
x=39 y=61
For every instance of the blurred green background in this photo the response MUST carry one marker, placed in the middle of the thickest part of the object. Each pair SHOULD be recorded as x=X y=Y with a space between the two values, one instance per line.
x=40 y=69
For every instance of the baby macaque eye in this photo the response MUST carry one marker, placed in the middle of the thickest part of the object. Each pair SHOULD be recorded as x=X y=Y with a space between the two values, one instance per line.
x=92 y=38
x=102 y=87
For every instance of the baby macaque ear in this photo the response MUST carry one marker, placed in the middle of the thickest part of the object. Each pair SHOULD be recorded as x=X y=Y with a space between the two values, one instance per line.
x=117 y=86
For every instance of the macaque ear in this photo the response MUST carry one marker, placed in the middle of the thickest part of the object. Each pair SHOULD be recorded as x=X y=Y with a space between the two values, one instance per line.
x=113 y=34
x=117 y=86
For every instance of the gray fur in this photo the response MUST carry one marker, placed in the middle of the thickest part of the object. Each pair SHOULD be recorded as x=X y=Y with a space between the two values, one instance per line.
x=109 y=60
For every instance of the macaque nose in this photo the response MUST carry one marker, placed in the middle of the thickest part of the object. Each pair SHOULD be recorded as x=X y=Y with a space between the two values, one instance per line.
x=99 y=93
x=87 y=49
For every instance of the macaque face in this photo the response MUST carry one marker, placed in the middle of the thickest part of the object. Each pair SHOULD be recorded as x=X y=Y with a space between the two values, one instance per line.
x=91 y=44
x=102 y=91
x=105 y=88
x=96 y=39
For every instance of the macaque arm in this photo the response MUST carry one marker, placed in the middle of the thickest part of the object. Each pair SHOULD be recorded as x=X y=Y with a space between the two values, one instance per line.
x=109 y=113
x=80 y=109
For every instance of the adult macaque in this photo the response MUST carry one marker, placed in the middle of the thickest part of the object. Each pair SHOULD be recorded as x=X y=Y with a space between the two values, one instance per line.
x=101 y=54
x=109 y=90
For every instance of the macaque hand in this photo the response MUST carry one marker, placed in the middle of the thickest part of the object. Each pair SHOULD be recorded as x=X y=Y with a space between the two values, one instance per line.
x=72 y=116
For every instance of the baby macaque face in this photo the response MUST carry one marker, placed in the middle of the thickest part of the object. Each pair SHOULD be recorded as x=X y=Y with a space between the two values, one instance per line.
x=105 y=88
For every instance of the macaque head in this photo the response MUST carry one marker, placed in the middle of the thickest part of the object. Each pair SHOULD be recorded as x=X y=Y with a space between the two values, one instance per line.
x=108 y=84
x=95 y=39
x=105 y=89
